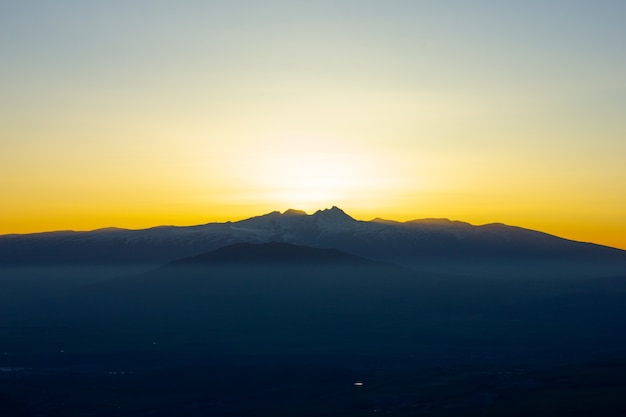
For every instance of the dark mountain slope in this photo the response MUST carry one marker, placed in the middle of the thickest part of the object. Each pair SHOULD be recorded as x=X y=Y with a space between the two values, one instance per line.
x=320 y=307
x=435 y=244
x=274 y=253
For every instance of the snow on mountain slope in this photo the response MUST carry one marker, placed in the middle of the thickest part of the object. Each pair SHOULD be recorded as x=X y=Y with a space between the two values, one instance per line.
x=410 y=243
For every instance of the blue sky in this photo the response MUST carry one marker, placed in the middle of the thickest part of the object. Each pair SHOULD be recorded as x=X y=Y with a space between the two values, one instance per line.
x=483 y=111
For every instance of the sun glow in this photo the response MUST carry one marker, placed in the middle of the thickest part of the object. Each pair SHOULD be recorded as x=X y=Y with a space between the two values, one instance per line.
x=308 y=173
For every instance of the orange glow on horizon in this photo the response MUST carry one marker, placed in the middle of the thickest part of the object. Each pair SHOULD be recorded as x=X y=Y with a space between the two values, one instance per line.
x=602 y=233
x=235 y=112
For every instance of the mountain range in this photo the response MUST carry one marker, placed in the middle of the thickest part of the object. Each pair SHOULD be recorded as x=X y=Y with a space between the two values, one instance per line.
x=425 y=244
x=285 y=311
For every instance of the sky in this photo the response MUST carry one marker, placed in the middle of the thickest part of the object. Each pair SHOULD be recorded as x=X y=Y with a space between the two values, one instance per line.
x=142 y=113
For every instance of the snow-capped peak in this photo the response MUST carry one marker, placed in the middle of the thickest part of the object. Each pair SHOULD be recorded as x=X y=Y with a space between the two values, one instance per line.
x=333 y=217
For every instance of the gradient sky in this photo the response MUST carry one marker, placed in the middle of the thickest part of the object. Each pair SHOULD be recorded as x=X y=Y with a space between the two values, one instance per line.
x=140 y=113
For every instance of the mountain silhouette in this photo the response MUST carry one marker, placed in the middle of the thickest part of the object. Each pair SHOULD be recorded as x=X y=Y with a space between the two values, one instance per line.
x=433 y=244
x=253 y=309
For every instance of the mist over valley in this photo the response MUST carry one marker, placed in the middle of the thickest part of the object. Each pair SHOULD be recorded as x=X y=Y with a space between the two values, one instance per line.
x=320 y=297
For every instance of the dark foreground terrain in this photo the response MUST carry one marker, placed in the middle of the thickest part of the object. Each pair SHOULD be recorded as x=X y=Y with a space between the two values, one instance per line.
x=278 y=330
x=156 y=385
